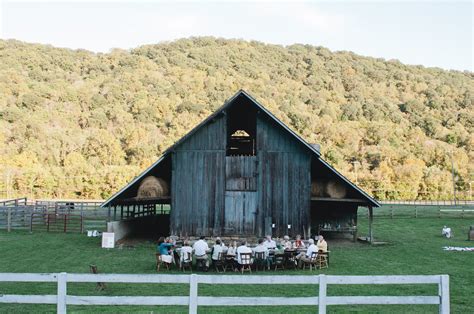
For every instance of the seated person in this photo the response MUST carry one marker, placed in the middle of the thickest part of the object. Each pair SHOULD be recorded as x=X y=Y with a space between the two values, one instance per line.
x=262 y=248
x=243 y=248
x=446 y=232
x=185 y=249
x=322 y=244
x=298 y=242
x=306 y=257
x=219 y=247
x=200 y=248
x=269 y=243
x=232 y=249
x=286 y=243
x=164 y=248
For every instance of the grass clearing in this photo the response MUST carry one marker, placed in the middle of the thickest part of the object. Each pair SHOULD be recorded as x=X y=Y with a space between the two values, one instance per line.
x=414 y=248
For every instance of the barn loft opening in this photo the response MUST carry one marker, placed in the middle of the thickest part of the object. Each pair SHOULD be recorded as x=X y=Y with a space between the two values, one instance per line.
x=241 y=128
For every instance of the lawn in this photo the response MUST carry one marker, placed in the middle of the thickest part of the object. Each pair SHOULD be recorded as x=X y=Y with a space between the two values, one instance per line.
x=414 y=247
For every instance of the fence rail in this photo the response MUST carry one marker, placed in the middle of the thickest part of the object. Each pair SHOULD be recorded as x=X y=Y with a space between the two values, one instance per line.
x=420 y=211
x=194 y=300
x=54 y=216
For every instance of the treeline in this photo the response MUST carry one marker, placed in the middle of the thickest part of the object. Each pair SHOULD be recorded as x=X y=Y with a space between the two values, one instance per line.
x=80 y=125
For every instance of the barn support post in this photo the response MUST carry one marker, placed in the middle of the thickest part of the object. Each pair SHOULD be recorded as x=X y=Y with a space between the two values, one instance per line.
x=109 y=213
x=371 y=220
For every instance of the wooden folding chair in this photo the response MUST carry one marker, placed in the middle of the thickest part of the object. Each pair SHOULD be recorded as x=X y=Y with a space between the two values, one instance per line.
x=160 y=262
x=290 y=259
x=279 y=261
x=322 y=260
x=220 y=262
x=229 y=262
x=100 y=285
x=311 y=262
x=260 y=261
x=245 y=262
x=187 y=262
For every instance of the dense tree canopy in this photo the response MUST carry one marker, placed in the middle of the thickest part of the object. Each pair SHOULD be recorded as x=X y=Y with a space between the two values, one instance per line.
x=80 y=125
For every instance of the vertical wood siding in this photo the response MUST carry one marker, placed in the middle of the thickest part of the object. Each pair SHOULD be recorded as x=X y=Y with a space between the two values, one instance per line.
x=284 y=181
x=240 y=212
x=241 y=173
x=198 y=182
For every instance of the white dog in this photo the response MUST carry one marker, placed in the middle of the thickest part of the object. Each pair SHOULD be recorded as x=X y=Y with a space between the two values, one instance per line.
x=446 y=232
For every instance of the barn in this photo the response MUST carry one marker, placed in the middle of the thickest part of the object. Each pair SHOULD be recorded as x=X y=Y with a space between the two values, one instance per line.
x=240 y=172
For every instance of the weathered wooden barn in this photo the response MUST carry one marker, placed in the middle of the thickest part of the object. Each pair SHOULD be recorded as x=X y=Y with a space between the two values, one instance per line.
x=241 y=172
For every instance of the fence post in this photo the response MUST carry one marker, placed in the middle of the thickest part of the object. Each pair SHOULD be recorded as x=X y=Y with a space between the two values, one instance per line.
x=82 y=224
x=443 y=288
x=322 y=294
x=193 y=293
x=9 y=219
x=62 y=291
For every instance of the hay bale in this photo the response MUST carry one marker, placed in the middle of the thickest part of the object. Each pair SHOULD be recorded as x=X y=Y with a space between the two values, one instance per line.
x=335 y=189
x=318 y=188
x=152 y=186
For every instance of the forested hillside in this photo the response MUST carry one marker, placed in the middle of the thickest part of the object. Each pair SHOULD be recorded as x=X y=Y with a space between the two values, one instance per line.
x=77 y=124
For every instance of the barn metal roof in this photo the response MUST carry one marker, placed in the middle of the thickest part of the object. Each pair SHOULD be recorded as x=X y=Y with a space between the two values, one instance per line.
x=242 y=93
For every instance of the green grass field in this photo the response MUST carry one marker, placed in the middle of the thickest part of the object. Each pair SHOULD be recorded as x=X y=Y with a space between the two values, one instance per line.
x=414 y=247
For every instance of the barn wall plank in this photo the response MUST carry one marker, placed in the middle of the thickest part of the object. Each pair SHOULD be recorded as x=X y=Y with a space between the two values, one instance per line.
x=284 y=180
x=198 y=181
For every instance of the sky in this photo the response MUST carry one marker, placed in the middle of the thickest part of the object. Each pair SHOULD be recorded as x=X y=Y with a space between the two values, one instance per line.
x=430 y=33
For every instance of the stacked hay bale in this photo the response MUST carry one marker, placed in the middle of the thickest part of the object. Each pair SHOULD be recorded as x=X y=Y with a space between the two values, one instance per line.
x=152 y=186
x=331 y=188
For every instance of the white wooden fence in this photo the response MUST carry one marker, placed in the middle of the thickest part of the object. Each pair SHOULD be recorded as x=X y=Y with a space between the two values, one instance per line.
x=194 y=300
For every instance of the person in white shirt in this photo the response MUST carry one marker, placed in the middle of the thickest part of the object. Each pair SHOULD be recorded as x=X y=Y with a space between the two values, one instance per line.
x=446 y=232
x=243 y=248
x=183 y=253
x=232 y=248
x=306 y=257
x=262 y=248
x=269 y=243
x=286 y=243
x=200 y=251
x=217 y=248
